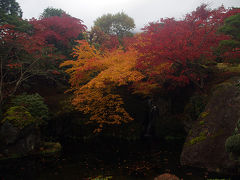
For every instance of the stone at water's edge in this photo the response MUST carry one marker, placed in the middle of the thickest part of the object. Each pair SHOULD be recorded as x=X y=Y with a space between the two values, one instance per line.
x=166 y=176
x=16 y=141
x=205 y=143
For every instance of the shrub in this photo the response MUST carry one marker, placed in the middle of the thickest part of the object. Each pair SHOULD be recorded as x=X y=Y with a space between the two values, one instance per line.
x=232 y=144
x=34 y=103
x=18 y=116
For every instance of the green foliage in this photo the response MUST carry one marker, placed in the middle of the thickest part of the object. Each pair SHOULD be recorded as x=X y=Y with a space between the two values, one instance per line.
x=18 y=23
x=11 y=13
x=18 y=116
x=10 y=7
x=122 y=24
x=50 y=11
x=119 y=24
x=230 y=43
x=232 y=26
x=232 y=144
x=104 y=23
x=34 y=103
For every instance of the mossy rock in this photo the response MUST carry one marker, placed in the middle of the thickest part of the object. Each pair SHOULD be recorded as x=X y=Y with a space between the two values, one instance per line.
x=195 y=106
x=18 y=116
x=193 y=110
x=197 y=139
x=201 y=137
x=221 y=87
x=205 y=146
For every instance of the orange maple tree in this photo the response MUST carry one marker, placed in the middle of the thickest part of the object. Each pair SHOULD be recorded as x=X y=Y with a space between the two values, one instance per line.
x=94 y=78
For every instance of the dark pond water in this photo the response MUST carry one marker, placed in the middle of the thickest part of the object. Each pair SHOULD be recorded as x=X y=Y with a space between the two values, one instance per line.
x=102 y=161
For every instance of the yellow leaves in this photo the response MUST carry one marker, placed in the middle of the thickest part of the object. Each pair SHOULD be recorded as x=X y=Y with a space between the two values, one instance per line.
x=106 y=110
x=93 y=78
x=84 y=51
x=121 y=67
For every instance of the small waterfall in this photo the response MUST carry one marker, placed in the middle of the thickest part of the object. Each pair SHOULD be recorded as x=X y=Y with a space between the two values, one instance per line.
x=153 y=115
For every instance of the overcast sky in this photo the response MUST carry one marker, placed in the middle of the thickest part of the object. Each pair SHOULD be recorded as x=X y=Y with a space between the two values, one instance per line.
x=142 y=11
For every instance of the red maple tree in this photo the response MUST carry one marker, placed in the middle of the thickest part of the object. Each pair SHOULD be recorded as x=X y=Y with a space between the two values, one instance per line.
x=21 y=57
x=179 y=51
x=58 y=29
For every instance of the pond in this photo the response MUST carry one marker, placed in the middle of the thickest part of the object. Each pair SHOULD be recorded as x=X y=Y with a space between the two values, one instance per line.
x=103 y=160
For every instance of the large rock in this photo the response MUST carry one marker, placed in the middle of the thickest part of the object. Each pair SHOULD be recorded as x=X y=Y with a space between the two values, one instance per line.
x=205 y=143
x=15 y=141
x=166 y=176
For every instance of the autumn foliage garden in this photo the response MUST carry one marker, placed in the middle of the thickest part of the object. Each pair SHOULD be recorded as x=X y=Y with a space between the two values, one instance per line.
x=167 y=55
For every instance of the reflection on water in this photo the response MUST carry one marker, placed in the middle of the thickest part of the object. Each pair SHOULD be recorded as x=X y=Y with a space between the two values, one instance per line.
x=103 y=161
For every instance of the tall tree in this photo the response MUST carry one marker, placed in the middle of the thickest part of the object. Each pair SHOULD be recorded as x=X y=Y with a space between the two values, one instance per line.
x=50 y=11
x=101 y=40
x=21 y=57
x=104 y=23
x=10 y=7
x=177 y=52
x=94 y=78
x=11 y=13
x=58 y=31
x=231 y=47
x=119 y=24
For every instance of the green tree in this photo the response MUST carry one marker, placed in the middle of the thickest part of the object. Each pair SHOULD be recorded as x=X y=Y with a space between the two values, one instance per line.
x=18 y=23
x=21 y=57
x=34 y=104
x=231 y=27
x=122 y=24
x=104 y=23
x=10 y=7
x=11 y=13
x=50 y=11
x=119 y=24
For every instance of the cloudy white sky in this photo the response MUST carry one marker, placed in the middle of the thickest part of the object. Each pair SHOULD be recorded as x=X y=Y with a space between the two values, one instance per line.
x=142 y=11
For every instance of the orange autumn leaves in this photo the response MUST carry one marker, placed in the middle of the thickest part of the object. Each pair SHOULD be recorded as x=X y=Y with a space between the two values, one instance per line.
x=167 y=55
x=94 y=78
